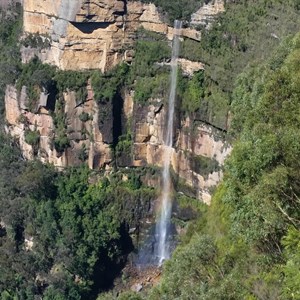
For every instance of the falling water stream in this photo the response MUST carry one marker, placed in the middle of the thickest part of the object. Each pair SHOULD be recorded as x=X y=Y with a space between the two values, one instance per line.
x=162 y=250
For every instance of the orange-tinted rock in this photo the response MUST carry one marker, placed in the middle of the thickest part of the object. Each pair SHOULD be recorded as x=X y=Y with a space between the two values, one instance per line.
x=94 y=35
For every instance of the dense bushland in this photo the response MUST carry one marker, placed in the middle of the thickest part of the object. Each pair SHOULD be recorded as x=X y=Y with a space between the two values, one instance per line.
x=10 y=60
x=247 y=244
x=79 y=229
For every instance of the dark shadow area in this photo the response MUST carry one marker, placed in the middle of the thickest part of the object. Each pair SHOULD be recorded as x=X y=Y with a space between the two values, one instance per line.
x=107 y=269
x=96 y=160
x=2 y=231
x=118 y=103
x=105 y=120
x=52 y=90
x=89 y=27
x=90 y=17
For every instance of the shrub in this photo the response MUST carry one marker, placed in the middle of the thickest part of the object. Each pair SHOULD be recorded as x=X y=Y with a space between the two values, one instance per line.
x=84 y=117
x=83 y=153
x=124 y=145
x=152 y=87
x=36 y=41
x=178 y=9
x=204 y=165
x=106 y=86
x=32 y=137
x=61 y=142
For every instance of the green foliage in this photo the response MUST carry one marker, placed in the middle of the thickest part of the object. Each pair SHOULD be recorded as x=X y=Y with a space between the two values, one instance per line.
x=83 y=153
x=204 y=165
x=194 y=93
x=107 y=85
x=291 y=242
x=130 y=296
x=121 y=296
x=150 y=79
x=149 y=49
x=84 y=117
x=78 y=228
x=190 y=49
x=180 y=10
x=185 y=201
x=151 y=87
x=72 y=81
x=209 y=263
x=32 y=137
x=35 y=73
x=60 y=141
x=20 y=181
x=187 y=279
x=200 y=96
x=265 y=158
x=37 y=77
x=252 y=226
x=245 y=34
x=10 y=58
x=124 y=145
x=244 y=246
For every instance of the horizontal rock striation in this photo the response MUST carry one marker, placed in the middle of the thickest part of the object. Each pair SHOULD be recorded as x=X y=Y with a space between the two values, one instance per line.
x=91 y=34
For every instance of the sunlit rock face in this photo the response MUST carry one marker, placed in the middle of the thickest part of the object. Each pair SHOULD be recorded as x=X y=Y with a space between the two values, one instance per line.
x=205 y=15
x=85 y=139
x=90 y=34
x=193 y=140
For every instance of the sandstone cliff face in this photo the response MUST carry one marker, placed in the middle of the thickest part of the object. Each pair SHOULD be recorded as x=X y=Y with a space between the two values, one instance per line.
x=99 y=35
x=86 y=141
x=192 y=140
x=90 y=34
x=90 y=144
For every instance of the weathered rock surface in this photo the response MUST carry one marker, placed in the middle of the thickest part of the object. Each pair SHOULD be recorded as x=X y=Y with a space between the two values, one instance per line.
x=206 y=14
x=188 y=67
x=199 y=140
x=87 y=141
x=91 y=34
x=83 y=136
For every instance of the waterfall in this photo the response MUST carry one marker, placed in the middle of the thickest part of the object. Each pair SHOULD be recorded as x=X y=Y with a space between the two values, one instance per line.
x=162 y=250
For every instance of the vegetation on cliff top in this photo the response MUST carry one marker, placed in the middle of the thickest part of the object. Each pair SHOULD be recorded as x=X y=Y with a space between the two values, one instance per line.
x=178 y=9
